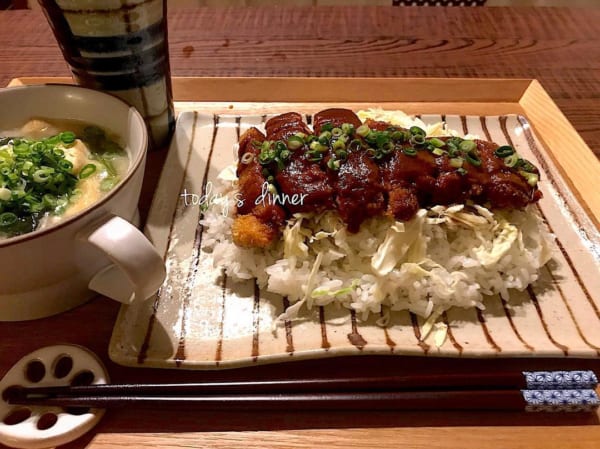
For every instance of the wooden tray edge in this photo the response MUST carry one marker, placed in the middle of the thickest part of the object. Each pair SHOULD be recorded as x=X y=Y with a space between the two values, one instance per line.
x=563 y=142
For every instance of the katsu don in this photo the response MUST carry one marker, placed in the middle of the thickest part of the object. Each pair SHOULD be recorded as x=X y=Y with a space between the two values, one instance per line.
x=363 y=170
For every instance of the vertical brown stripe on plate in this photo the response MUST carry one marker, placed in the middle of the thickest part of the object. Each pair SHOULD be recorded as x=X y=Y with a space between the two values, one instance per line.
x=486 y=332
x=512 y=324
x=324 y=341
x=144 y=348
x=388 y=340
x=486 y=131
x=195 y=259
x=465 y=127
x=450 y=334
x=533 y=297
x=219 y=350
x=288 y=329
x=355 y=338
x=417 y=330
x=256 y=322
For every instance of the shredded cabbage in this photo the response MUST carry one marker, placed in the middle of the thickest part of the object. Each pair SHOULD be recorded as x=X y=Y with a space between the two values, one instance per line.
x=397 y=242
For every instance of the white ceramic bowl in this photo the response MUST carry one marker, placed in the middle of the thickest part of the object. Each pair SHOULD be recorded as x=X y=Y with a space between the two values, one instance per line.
x=54 y=269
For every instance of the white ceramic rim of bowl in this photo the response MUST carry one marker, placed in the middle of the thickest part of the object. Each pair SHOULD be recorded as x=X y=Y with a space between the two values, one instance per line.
x=133 y=167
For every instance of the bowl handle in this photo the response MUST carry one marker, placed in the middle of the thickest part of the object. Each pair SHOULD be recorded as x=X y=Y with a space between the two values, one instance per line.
x=138 y=270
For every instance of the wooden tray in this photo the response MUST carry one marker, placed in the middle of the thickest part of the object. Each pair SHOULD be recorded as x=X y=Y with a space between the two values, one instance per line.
x=188 y=330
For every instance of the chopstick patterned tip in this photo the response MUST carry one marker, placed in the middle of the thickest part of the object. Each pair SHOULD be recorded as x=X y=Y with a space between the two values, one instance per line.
x=560 y=400
x=560 y=380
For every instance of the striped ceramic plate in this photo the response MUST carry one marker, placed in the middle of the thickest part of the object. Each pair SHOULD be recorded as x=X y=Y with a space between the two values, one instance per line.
x=200 y=320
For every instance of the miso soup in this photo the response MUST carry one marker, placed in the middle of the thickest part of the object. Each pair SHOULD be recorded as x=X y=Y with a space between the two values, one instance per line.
x=51 y=170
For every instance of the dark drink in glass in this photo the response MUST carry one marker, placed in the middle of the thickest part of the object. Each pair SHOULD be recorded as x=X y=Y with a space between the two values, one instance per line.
x=119 y=47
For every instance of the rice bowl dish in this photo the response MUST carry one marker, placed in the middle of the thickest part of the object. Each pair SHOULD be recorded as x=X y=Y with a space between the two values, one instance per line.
x=450 y=255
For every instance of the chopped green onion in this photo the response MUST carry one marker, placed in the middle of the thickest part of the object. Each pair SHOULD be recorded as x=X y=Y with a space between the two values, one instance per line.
x=387 y=148
x=438 y=143
x=527 y=166
x=67 y=137
x=363 y=130
x=88 y=169
x=504 y=151
x=417 y=140
x=371 y=137
x=265 y=157
x=295 y=142
x=355 y=145
x=467 y=146
x=246 y=159
x=332 y=164
x=348 y=129
x=285 y=155
x=318 y=147
x=511 y=161
x=473 y=158
x=338 y=145
x=438 y=151
x=327 y=127
x=337 y=132
x=66 y=165
x=456 y=162
x=371 y=152
x=341 y=154
x=7 y=219
x=409 y=151
x=461 y=171
x=398 y=136
x=382 y=139
x=416 y=131
x=42 y=175
x=5 y=194
x=324 y=137
x=532 y=178
x=49 y=200
x=280 y=146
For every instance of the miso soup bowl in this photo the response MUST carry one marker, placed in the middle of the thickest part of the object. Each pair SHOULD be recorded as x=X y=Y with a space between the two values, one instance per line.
x=98 y=250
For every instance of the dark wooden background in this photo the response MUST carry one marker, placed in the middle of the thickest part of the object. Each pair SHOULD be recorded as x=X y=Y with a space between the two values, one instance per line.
x=559 y=47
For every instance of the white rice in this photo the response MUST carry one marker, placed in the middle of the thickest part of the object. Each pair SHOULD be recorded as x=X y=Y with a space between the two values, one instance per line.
x=445 y=257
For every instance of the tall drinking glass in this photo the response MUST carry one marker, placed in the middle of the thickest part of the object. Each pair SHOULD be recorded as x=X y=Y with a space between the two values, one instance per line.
x=120 y=47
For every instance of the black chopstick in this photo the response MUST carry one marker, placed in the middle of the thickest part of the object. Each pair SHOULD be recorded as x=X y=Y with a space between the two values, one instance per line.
x=526 y=380
x=500 y=391
x=509 y=400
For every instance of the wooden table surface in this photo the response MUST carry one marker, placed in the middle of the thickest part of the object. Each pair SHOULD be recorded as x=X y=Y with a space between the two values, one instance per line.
x=559 y=47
